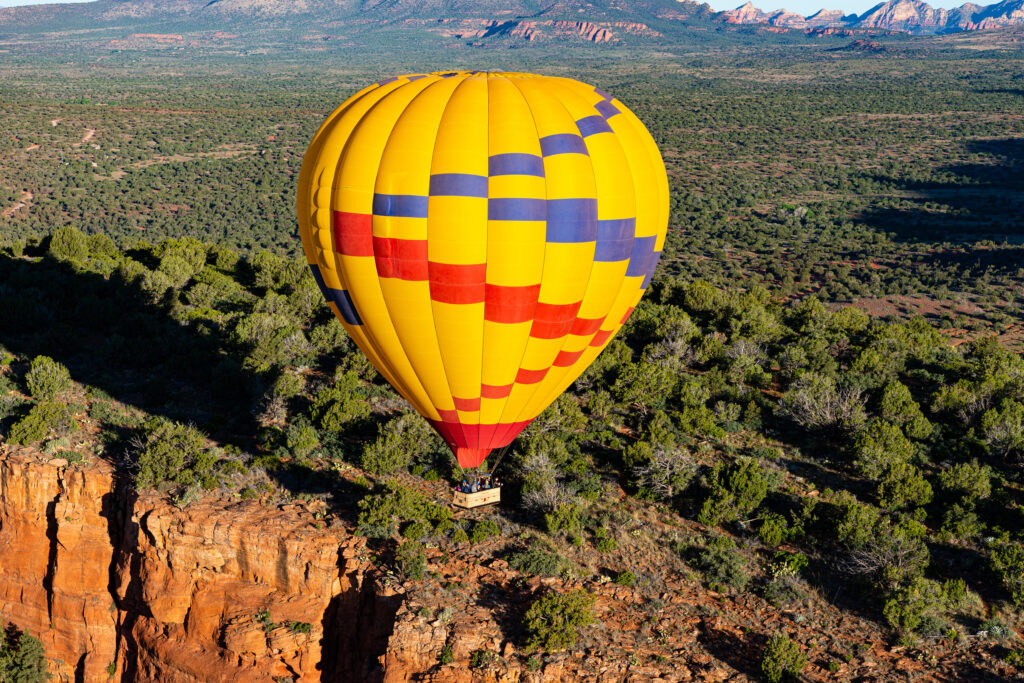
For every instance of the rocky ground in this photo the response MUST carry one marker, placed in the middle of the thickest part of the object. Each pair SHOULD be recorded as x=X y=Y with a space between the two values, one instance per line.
x=126 y=587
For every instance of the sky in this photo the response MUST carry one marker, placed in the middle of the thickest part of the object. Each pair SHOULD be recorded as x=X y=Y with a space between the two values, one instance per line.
x=804 y=7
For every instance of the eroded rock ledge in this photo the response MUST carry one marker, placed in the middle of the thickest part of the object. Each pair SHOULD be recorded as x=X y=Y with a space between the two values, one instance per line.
x=125 y=587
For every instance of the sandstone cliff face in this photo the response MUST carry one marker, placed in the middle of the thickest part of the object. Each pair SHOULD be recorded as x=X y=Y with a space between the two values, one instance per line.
x=56 y=559
x=135 y=589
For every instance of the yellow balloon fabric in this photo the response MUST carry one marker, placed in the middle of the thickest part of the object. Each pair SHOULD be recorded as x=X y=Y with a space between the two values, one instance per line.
x=482 y=236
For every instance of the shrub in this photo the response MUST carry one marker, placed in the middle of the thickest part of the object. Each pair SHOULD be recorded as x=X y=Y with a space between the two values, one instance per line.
x=300 y=627
x=69 y=244
x=968 y=481
x=815 y=402
x=903 y=486
x=484 y=529
x=399 y=442
x=736 y=490
x=554 y=620
x=481 y=659
x=782 y=659
x=626 y=578
x=662 y=471
x=1007 y=561
x=22 y=658
x=605 y=543
x=996 y=629
x=960 y=522
x=920 y=603
x=879 y=447
x=47 y=379
x=170 y=452
x=564 y=518
x=42 y=420
x=644 y=386
x=722 y=563
x=336 y=406
x=1003 y=428
x=539 y=562
x=301 y=438
x=411 y=560
x=892 y=554
x=898 y=406
x=773 y=530
x=382 y=512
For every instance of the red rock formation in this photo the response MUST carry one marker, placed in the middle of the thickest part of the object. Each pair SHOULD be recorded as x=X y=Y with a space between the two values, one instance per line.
x=825 y=17
x=56 y=568
x=166 y=595
x=745 y=14
x=904 y=15
x=784 y=19
x=592 y=32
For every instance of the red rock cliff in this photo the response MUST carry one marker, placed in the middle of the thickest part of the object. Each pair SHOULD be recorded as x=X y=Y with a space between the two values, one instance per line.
x=220 y=591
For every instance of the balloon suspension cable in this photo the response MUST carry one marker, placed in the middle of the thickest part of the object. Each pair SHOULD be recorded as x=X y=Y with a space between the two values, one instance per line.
x=501 y=454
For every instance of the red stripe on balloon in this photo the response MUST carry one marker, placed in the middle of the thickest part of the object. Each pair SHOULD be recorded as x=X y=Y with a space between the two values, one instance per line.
x=584 y=326
x=448 y=415
x=601 y=337
x=567 y=358
x=628 y=311
x=403 y=259
x=454 y=283
x=509 y=304
x=525 y=376
x=551 y=321
x=353 y=233
x=467 y=404
x=472 y=442
x=496 y=390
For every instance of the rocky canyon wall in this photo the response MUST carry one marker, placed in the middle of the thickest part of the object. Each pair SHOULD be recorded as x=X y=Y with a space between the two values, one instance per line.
x=127 y=588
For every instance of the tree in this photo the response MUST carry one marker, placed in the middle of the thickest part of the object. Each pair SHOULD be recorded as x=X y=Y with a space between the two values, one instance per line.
x=22 y=658
x=665 y=472
x=879 y=447
x=337 y=405
x=1003 y=428
x=69 y=244
x=47 y=379
x=736 y=490
x=815 y=402
x=644 y=386
x=167 y=451
x=553 y=621
x=782 y=659
x=903 y=486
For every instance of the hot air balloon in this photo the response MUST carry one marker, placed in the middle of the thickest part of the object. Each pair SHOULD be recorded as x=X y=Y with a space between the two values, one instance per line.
x=482 y=236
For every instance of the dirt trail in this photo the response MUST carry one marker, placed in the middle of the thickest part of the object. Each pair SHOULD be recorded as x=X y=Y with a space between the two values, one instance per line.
x=23 y=201
x=89 y=132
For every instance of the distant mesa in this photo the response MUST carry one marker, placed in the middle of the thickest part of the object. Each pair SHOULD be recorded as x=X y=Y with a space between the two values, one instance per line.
x=907 y=16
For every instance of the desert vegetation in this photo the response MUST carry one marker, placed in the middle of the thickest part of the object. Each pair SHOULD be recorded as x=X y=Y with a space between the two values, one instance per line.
x=819 y=402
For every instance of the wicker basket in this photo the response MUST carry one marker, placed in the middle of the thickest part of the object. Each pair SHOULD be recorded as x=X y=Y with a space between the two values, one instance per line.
x=475 y=500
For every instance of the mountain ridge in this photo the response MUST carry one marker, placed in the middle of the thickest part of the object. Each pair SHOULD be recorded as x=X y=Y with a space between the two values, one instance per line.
x=906 y=16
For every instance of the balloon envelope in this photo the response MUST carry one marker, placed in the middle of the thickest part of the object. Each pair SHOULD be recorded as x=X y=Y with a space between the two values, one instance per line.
x=482 y=236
